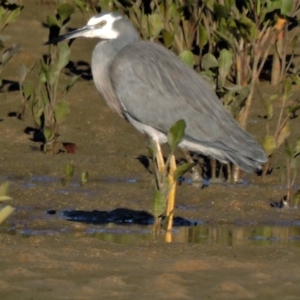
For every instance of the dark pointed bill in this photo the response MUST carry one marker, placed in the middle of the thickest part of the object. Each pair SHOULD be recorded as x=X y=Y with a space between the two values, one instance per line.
x=70 y=35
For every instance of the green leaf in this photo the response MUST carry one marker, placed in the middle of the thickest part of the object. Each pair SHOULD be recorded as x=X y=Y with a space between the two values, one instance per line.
x=297 y=147
x=62 y=55
x=53 y=73
x=246 y=28
x=229 y=4
x=174 y=10
x=37 y=112
x=188 y=57
x=182 y=169
x=176 y=134
x=220 y=11
x=65 y=10
x=209 y=61
x=152 y=150
x=272 y=98
x=296 y=197
x=12 y=17
x=225 y=63
x=80 y=5
x=44 y=72
x=287 y=90
x=73 y=80
x=293 y=109
x=225 y=37
x=209 y=76
x=84 y=178
x=202 y=35
x=168 y=38
x=159 y=204
x=52 y=21
x=5 y=213
x=69 y=170
x=288 y=149
x=49 y=134
x=155 y=25
x=269 y=144
x=287 y=7
x=28 y=90
x=284 y=134
x=61 y=111
x=269 y=107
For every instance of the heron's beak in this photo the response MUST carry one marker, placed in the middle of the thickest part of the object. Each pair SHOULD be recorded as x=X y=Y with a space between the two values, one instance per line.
x=71 y=35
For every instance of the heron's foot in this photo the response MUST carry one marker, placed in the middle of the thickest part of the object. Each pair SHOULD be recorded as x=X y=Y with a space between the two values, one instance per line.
x=196 y=176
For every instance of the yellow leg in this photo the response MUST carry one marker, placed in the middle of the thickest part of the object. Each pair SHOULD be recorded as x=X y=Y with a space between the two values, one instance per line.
x=159 y=158
x=161 y=169
x=172 y=194
x=171 y=197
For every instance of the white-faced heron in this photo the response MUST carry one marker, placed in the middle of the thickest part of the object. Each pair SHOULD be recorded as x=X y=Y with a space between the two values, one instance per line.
x=152 y=89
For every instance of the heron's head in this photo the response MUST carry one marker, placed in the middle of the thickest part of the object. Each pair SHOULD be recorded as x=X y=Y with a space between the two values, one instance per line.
x=107 y=26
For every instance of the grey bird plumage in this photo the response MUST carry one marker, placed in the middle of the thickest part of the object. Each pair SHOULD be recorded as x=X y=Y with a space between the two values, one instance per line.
x=152 y=88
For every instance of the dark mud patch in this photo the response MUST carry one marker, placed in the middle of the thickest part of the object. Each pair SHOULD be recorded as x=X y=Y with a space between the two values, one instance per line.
x=118 y=216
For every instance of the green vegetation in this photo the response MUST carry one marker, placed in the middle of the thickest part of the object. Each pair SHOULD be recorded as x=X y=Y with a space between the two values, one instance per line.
x=48 y=105
x=69 y=171
x=9 y=13
x=49 y=108
x=166 y=176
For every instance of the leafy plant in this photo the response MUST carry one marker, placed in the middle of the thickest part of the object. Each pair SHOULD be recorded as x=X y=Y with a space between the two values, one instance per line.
x=285 y=22
x=167 y=175
x=292 y=165
x=7 y=210
x=9 y=12
x=69 y=174
x=26 y=89
x=69 y=171
x=90 y=6
x=49 y=107
x=283 y=129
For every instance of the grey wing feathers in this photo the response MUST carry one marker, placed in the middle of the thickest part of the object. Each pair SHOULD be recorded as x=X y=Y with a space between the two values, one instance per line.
x=157 y=89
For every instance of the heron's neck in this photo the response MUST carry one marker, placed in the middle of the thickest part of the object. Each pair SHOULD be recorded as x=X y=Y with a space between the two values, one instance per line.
x=105 y=51
x=102 y=58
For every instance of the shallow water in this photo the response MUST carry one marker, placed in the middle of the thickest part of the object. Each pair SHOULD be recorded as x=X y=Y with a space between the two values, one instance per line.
x=280 y=233
x=238 y=233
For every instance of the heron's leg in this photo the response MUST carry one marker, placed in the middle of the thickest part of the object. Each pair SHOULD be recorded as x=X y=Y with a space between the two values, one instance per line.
x=195 y=172
x=160 y=164
x=172 y=193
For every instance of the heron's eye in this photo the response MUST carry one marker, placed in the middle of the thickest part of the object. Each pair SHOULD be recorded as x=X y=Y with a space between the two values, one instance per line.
x=102 y=23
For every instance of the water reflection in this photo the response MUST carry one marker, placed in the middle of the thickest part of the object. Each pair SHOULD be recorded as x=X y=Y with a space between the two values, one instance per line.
x=225 y=235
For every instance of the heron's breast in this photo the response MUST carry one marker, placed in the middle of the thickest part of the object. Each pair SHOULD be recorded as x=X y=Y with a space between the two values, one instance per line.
x=100 y=70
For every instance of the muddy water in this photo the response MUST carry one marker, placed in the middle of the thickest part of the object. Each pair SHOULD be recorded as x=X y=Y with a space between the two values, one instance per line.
x=240 y=249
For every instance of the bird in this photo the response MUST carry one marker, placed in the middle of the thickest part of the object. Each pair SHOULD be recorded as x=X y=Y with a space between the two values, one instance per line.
x=150 y=87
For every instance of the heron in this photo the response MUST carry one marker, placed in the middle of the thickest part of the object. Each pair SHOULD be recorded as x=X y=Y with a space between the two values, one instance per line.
x=151 y=88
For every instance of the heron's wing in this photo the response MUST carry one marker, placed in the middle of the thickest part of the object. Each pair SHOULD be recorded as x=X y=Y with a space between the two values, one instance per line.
x=157 y=89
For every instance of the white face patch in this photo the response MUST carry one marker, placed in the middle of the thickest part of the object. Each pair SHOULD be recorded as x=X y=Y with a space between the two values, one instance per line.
x=105 y=32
